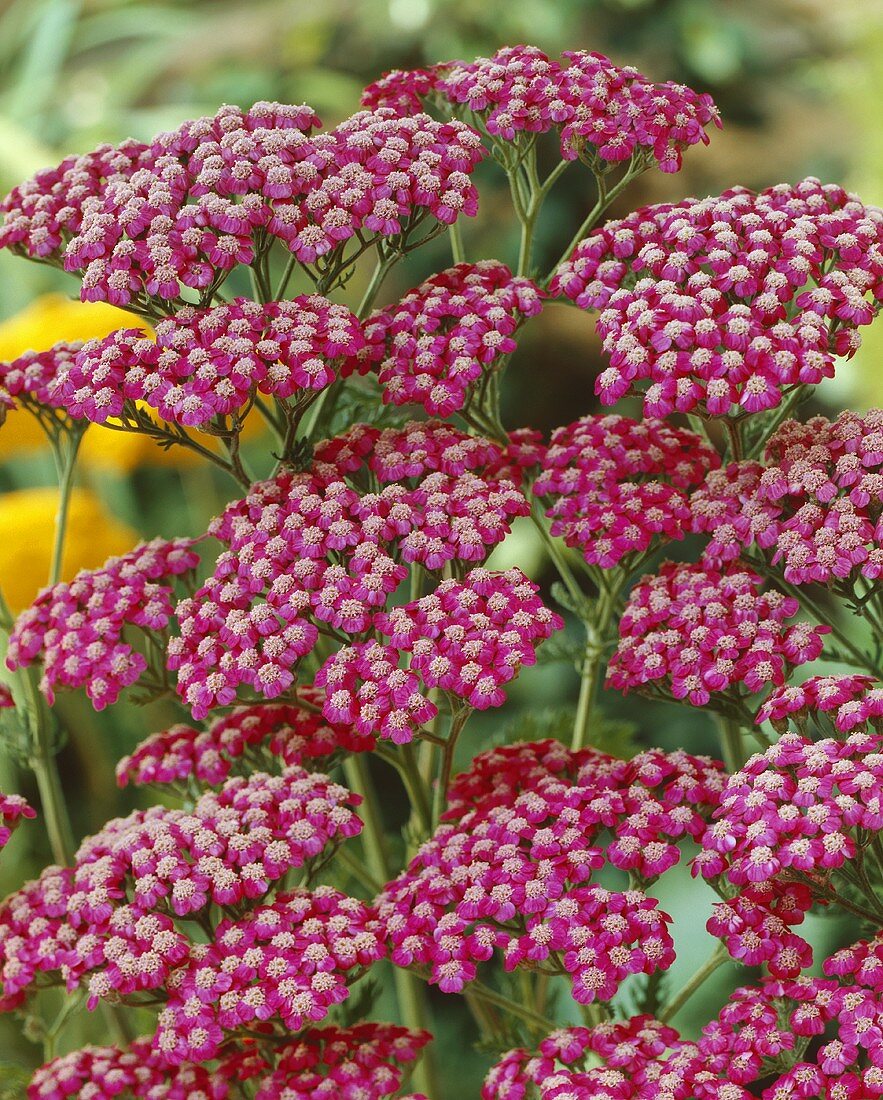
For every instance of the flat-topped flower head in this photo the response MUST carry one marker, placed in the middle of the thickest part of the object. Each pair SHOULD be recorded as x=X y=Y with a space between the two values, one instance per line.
x=511 y=867
x=602 y=112
x=708 y=636
x=311 y=551
x=32 y=380
x=802 y=808
x=288 y=962
x=147 y=221
x=279 y=735
x=616 y=486
x=76 y=630
x=727 y=304
x=208 y=363
x=433 y=346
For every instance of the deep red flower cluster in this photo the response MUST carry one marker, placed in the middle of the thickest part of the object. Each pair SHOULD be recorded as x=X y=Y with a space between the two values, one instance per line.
x=14 y=809
x=511 y=867
x=147 y=220
x=77 y=629
x=618 y=486
x=455 y=328
x=693 y=632
x=729 y=302
x=265 y=735
x=367 y=1060
x=309 y=552
x=208 y=363
x=601 y=110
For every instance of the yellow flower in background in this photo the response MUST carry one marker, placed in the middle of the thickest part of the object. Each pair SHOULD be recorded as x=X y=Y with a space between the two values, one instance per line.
x=27 y=521
x=51 y=319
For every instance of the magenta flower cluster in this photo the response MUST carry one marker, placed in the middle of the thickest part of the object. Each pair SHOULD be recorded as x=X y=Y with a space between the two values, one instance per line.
x=614 y=487
x=511 y=868
x=828 y=1030
x=728 y=303
x=31 y=380
x=14 y=809
x=208 y=363
x=445 y=335
x=266 y=733
x=309 y=552
x=814 y=505
x=709 y=636
x=149 y=220
x=850 y=702
x=77 y=629
x=601 y=110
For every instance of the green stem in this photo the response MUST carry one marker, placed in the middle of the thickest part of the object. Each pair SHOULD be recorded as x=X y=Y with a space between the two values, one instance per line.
x=556 y=554
x=677 y=1002
x=446 y=764
x=732 y=744
x=286 y=276
x=458 y=252
x=409 y=988
x=523 y=1012
x=381 y=269
x=66 y=462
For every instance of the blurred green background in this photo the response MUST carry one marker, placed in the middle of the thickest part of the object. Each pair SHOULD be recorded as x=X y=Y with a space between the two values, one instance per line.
x=798 y=85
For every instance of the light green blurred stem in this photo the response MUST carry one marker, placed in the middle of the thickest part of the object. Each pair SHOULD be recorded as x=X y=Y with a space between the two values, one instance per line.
x=718 y=957
x=593 y=666
x=66 y=462
x=410 y=990
x=732 y=744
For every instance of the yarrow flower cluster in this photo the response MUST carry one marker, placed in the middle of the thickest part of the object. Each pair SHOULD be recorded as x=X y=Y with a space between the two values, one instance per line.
x=851 y=702
x=468 y=639
x=148 y=220
x=280 y=734
x=208 y=363
x=618 y=486
x=729 y=303
x=77 y=629
x=13 y=810
x=446 y=334
x=758 y=1032
x=601 y=110
x=289 y=961
x=510 y=870
x=368 y=1059
x=802 y=808
x=305 y=552
x=31 y=380
x=814 y=505
x=709 y=636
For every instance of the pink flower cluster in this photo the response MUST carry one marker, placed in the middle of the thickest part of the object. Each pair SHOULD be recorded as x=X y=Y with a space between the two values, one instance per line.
x=444 y=335
x=851 y=702
x=468 y=639
x=776 y=1038
x=308 y=552
x=108 y=921
x=729 y=302
x=756 y=925
x=814 y=506
x=601 y=110
x=147 y=220
x=510 y=869
x=702 y=634
x=14 y=809
x=801 y=808
x=208 y=363
x=268 y=734
x=77 y=629
x=367 y=1060
x=32 y=378
x=618 y=486
x=288 y=961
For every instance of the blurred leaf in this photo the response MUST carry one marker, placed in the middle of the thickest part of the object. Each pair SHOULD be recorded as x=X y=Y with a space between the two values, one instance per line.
x=13 y=1081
